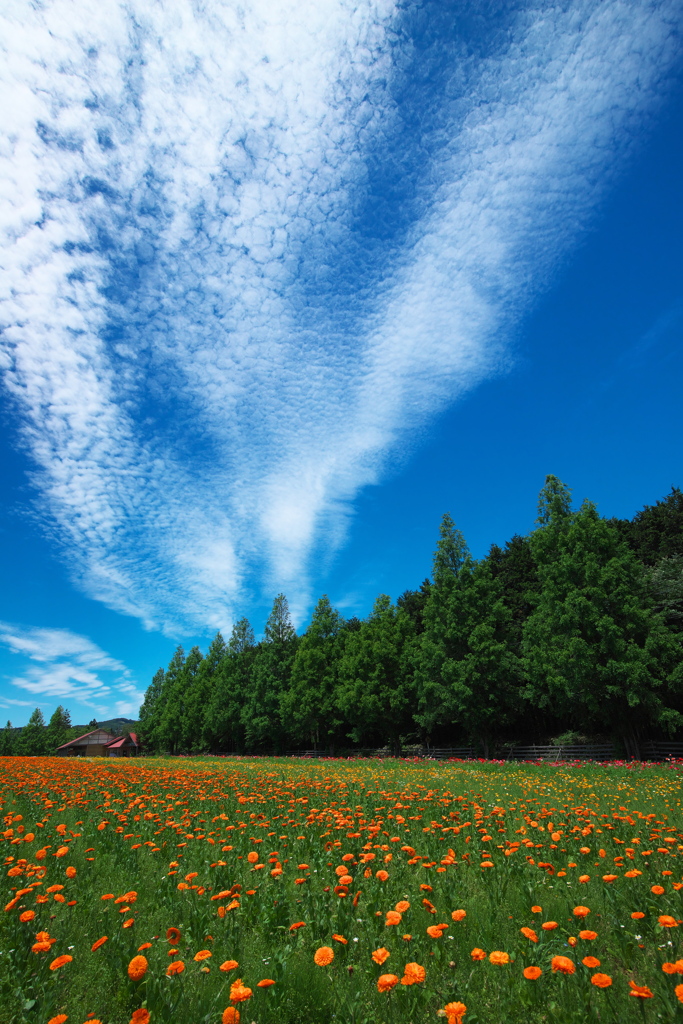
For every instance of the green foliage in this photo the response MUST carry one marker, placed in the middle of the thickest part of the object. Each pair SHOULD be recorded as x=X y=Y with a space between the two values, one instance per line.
x=32 y=739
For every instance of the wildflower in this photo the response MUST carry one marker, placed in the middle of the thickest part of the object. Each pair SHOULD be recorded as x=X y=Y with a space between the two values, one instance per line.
x=549 y=926
x=435 y=931
x=137 y=968
x=140 y=1016
x=173 y=935
x=71 y=872
x=609 y=878
x=679 y=993
x=562 y=964
x=657 y=889
x=386 y=982
x=252 y=856
x=27 y=915
x=265 y=983
x=667 y=921
x=590 y=961
x=637 y=915
x=676 y=968
x=458 y=915
x=601 y=980
x=323 y=956
x=402 y=906
x=581 y=911
x=413 y=974
x=177 y=967
x=382 y=875
x=529 y=934
x=239 y=992
x=203 y=954
x=584 y=878
x=536 y=910
x=588 y=935
x=498 y=957
x=59 y=1019
x=381 y=955
x=340 y=938
x=572 y=940
x=640 y=991
x=478 y=954
x=393 y=917
x=532 y=973
x=128 y=923
x=228 y=965
x=231 y=1015
x=455 y=1012
x=297 y=924
x=60 y=961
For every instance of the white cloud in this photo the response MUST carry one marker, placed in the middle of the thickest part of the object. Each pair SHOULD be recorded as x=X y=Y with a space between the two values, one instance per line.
x=208 y=355
x=65 y=666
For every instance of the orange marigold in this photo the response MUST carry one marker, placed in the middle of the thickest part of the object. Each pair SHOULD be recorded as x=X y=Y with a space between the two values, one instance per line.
x=402 y=906
x=265 y=983
x=498 y=957
x=203 y=954
x=239 y=992
x=549 y=926
x=679 y=993
x=386 y=982
x=173 y=934
x=71 y=872
x=581 y=911
x=340 y=938
x=478 y=954
x=381 y=955
x=435 y=931
x=137 y=968
x=588 y=935
x=657 y=889
x=532 y=973
x=297 y=924
x=536 y=909
x=637 y=915
x=458 y=915
x=415 y=973
x=177 y=967
x=323 y=956
x=455 y=1012
x=27 y=915
x=601 y=980
x=59 y=1019
x=228 y=965
x=530 y=934
x=140 y=1016
x=562 y=964
x=231 y=1015
x=640 y=991
x=667 y=921
x=60 y=961
x=393 y=917
x=590 y=961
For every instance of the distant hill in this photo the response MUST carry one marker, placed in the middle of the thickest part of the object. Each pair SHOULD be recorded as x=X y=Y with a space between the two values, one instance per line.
x=115 y=725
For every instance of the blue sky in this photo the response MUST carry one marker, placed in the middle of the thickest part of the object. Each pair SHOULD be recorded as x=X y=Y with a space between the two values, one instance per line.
x=284 y=282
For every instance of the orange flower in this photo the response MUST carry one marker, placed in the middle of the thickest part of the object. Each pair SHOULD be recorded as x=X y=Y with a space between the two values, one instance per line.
x=640 y=991
x=140 y=1016
x=231 y=1015
x=228 y=965
x=324 y=956
x=609 y=878
x=536 y=910
x=435 y=931
x=42 y=947
x=100 y=942
x=265 y=983
x=532 y=973
x=59 y=1019
x=393 y=917
x=637 y=915
x=458 y=915
x=297 y=924
x=657 y=889
x=601 y=980
x=137 y=968
x=667 y=921
x=478 y=954
x=239 y=992
x=252 y=857
x=402 y=906
x=590 y=961
x=382 y=875
x=340 y=938
x=588 y=935
x=454 y=1012
x=177 y=967
x=145 y=945
x=679 y=993
x=70 y=872
x=530 y=934
x=129 y=923
x=581 y=911
x=584 y=878
x=386 y=982
x=562 y=964
x=27 y=915
x=549 y=926
x=498 y=957
x=173 y=935
x=413 y=974
x=60 y=961
x=203 y=954
x=381 y=955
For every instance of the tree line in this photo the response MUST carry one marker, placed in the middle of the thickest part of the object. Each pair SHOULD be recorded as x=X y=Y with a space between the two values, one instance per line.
x=574 y=629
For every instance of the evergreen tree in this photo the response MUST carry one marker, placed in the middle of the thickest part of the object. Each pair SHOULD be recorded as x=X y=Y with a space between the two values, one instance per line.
x=309 y=708
x=150 y=711
x=32 y=738
x=594 y=649
x=377 y=694
x=665 y=580
x=514 y=567
x=58 y=729
x=414 y=602
x=166 y=732
x=269 y=681
x=656 y=531
x=7 y=740
x=198 y=695
x=223 y=728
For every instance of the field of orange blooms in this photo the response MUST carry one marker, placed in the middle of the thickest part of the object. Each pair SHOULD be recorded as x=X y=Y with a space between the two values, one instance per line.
x=205 y=891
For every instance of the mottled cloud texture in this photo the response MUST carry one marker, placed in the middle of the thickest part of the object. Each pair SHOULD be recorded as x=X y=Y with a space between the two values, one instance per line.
x=249 y=250
x=61 y=665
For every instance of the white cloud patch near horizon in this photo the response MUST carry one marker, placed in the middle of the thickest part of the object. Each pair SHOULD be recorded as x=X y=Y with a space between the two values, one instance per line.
x=65 y=666
x=208 y=358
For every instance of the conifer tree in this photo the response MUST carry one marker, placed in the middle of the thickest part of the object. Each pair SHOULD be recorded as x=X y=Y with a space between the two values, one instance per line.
x=308 y=707
x=269 y=680
x=222 y=727
x=58 y=729
x=7 y=740
x=32 y=739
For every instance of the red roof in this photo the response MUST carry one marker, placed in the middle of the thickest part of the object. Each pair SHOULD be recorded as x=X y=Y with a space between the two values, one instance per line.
x=85 y=734
x=120 y=742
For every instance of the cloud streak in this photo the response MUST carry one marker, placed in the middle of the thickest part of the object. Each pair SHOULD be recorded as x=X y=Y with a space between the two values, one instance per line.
x=249 y=253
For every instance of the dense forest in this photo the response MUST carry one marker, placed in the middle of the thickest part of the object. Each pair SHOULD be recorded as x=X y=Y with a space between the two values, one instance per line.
x=573 y=631
x=576 y=628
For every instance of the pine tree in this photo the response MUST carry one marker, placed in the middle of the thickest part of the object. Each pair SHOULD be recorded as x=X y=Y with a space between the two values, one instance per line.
x=269 y=680
x=58 y=729
x=308 y=707
x=32 y=739
x=7 y=740
x=150 y=711
x=198 y=695
x=222 y=726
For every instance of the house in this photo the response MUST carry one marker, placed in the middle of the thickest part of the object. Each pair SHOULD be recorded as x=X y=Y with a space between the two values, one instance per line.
x=90 y=744
x=124 y=746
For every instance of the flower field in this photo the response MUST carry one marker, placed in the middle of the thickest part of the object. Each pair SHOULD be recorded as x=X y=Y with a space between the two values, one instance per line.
x=267 y=890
